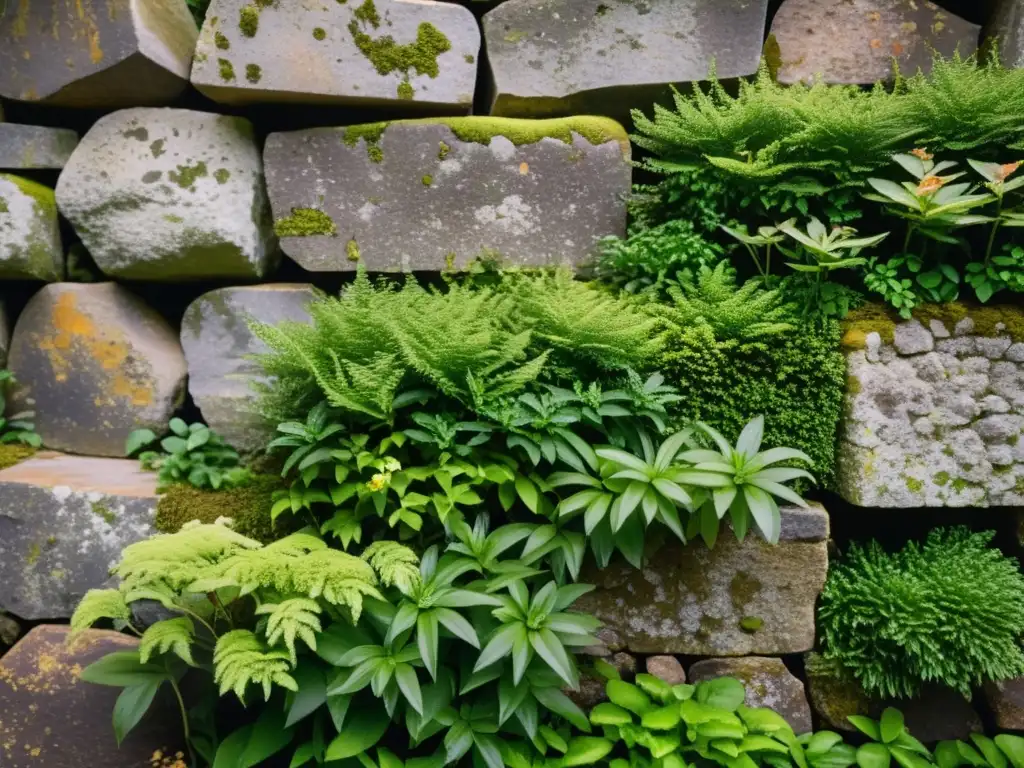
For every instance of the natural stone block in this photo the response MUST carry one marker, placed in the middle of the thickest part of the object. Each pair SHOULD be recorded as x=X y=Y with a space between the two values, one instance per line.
x=1006 y=27
x=667 y=669
x=934 y=424
x=95 y=53
x=24 y=147
x=63 y=523
x=768 y=684
x=1005 y=699
x=938 y=713
x=563 y=57
x=49 y=717
x=736 y=599
x=218 y=343
x=419 y=54
x=592 y=685
x=95 y=363
x=435 y=194
x=30 y=246
x=855 y=41
x=10 y=631
x=170 y=194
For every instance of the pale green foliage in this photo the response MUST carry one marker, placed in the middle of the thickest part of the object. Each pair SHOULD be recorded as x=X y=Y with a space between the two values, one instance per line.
x=240 y=658
x=291 y=619
x=100 y=604
x=170 y=635
x=397 y=565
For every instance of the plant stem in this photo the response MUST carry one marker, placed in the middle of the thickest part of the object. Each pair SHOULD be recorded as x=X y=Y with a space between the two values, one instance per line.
x=184 y=720
x=995 y=227
x=768 y=265
x=906 y=240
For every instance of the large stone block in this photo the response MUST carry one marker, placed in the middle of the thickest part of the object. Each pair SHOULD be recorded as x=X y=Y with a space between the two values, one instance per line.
x=170 y=194
x=63 y=523
x=855 y=41
x=417 y=54
x=1005 y=700
x=768 y=684
x=734 y=600
x=218 y=344
x=563 y=57
x=934 y=410
x=94 y=363
x=49 y=717
x=30 y=246
x=95 y=53
x=1006 y=27
x=434 y=194
x=27 y=147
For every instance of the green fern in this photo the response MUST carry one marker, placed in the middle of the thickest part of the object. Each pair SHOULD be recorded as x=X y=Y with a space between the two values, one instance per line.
x=240 y=658
x=396 y=564
x=100 y=604
x=174 y=635
x=291 y=619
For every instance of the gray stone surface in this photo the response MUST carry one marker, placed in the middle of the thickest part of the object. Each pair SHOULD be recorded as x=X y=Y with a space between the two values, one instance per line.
x=94 y=362
x=170 y=194
x=563 y=57
x=63 y=523
x=733 y=600
x=1006 y=25
x=934 y=428
x=768 y=682
x=5 y=333
x=855 y=41
x=24 y=147
x=95 y=53
x=592 y=685
x=1005 y=700
x=217 y=341
x=417 y=197
x=30 y=246
x=666 y=668
x=49 y=717
x=417 y=54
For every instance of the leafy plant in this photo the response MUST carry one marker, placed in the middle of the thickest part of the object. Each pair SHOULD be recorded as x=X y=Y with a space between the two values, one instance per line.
x=18 y=427
x=192 y=453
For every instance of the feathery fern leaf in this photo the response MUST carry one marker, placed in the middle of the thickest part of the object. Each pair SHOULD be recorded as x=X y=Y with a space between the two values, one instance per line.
x=100 y=604
x=173 y=635
x=396 y=564
x=295 y=617
x=240 y=659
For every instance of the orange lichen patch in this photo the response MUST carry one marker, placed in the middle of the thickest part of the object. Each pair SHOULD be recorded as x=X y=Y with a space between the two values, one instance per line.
x=524 y=168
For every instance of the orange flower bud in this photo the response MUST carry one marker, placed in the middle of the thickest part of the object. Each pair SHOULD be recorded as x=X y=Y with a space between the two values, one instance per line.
x=930 y=184
x=921 y=154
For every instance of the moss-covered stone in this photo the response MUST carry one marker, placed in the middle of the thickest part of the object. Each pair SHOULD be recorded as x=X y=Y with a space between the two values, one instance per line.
x=427 y=180
x=352 y=250
x=443 y=151
x=222 y=175
x=989 y=321
x=185 y=176
x=253 y=73
x=319 y=33
x=305 y=222
x=249 y=20
x=405 y=90
x=13 y=453
x=221 y=41
x=248 y=506
x=227 y=70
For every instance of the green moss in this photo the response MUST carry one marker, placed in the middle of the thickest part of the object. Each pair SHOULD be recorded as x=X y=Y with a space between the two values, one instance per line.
x=709 y=625
x=1012 y=440
x=405 y=90
x=227 y=70
x=514 y=36
x=913 y=484
x=157 y=147
x=352 y=250
x=387 y=56
x=221 y=41
x=367 y=13
x=853 y=385
x=3 y=206
x=305 y=222
x=103 y=511
x=443 y=150
x=742 y=589
x=751 y=624
x=249 y=20
x=14 y=453
x=34 y=551
x=249 y=507
x=222 y=175
x=253 y=73
x=469 y=58
x=319 y=33
x=186 y=175
x=864 y=320
x=370 y=133
x=139 y=134
x=989 y=321
x=960 y=485
x=941 y=478
x=427 y=180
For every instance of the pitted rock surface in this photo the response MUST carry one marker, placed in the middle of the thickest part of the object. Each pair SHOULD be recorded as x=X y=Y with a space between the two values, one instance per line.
x=27 y=147
x=95 y=53
x=1005 y=700
x=63 y=523
x=413 y=195
x=416 y=54
x=94 y=363
x=170 y=194
x=30 y=245
x=768 y=682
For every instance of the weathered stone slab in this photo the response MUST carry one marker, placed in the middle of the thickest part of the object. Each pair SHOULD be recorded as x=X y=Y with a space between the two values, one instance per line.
x=95 y=53
x=24 y=147
x=1005 y=700
x=934 y=411
x=63 y=523
x=95 y=363
x=49 y=717
x=667 y=669
x=170 y=194
x=435 y=194
x=737 y=599
x=217 y=342
x=1006 y=27
x=30 y=246
x=855 y=41
x=563 y=57
x=418 y=54
x=768 y=684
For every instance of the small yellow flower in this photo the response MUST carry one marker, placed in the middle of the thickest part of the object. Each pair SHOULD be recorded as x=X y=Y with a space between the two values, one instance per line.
x=378 y=481
x=921 y=154
x=931 y=184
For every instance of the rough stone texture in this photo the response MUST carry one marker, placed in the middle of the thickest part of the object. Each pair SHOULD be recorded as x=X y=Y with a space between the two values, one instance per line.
x=940 y=427
x=5 y=334
x=666 y=668
x=415 y=53
x=95 y=53
x=170 y=194
x=217 y=342
x=10 y=631
x=30 y=246
x=420 y=198
x=94 y=363
x=1006 y=25
x=1005 y=700
x=592 y=685
x=63 y=523
x=563 y=57
x=768 y=683
x=855 y=41
x=692 y=600
x=939 y=713
x=49 y=717
x=24 y=147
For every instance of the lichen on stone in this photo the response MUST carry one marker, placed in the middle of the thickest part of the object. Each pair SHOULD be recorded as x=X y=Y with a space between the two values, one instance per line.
x=305 y=222
x=14 y=453
x=186 y=175
x=253 y=73
x=222 y=175
x=388 y=56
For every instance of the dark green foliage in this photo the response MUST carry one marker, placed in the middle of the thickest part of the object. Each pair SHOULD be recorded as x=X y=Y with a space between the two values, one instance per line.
x=192 y=454
x=949 y=611
x=198 y=8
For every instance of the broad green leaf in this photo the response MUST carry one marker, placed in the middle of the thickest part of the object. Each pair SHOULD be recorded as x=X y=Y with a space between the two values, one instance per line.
x=586 y=750
x=312 y=693
x=132 y=703
x=607 y=713
x=727 y=693
x=1013 y=747
x=873 y=756
x=628 y=696
x=662 y=719
x=121 y=669
x=268 y=737
x=867 y=726
x=363 y=728
x=891 y=724
x=405 y=675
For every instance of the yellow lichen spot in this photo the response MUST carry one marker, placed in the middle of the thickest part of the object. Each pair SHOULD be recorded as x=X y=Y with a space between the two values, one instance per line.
x=524 y=168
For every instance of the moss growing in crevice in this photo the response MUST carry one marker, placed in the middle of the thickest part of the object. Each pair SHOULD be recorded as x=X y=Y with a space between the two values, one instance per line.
x=305 y=222
x=989 y=321
x=14 y=453
x=248 y=506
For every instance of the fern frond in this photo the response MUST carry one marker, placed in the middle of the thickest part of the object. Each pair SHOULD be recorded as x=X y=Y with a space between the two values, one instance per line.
x=395 y=564
x=173 y=635
x=239 y=659
x=295 y=617
x=100 y=604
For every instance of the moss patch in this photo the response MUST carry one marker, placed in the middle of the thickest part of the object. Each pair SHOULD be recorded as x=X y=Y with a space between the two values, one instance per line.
x=319 y=33
x=352 y=250
x=989 y=321
x=221 y=41
x=370 y=133
x=469 y=58
x=387 y=56
x=742 y=589
x=427 y=180
x=14 y=453
x=443 y=150
x=186 y=175
x=249 y=20
x=405 y=90
x=367 y=13
x=941 y=479
x=305 y=222
x=249 y=507
x=914 y=485
x=864 y=320
x=103 y=511
x=751 y=624
x=222 y=175
x=253 y=73
x=3 y=206
x=227 y=70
